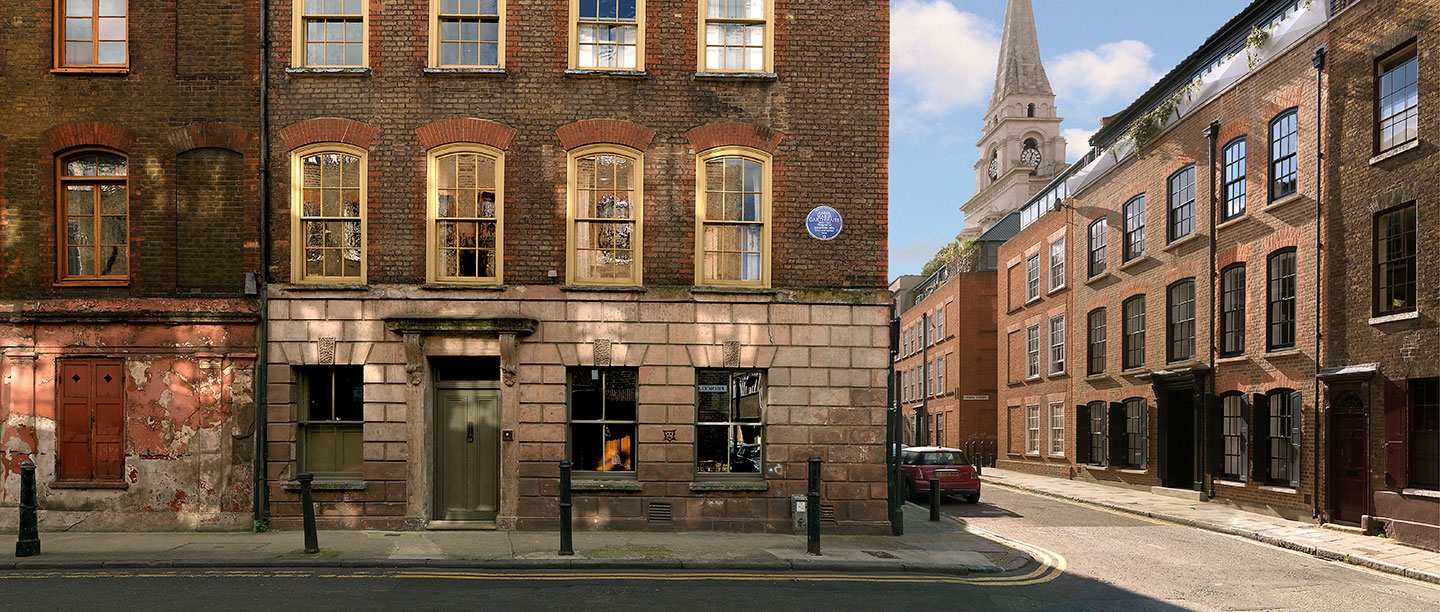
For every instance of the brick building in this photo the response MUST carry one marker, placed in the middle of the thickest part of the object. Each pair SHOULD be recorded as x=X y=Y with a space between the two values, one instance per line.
x=1192 y=305
x=945 y=371
x=1383 y=456
x=129 y=204
x=490 y=257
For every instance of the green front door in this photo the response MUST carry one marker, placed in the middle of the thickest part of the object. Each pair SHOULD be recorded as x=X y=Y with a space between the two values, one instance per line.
x=467 y=454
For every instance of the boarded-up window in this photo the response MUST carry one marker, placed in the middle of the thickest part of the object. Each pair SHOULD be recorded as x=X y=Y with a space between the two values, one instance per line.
x=210 y=223
x=90 y=424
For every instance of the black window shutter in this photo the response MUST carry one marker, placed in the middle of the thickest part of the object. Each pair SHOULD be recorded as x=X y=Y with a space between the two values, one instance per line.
x=1260 y=408
x=1215 y=433
x=1297 y=413
x=1082 y=434
x=1117 y=435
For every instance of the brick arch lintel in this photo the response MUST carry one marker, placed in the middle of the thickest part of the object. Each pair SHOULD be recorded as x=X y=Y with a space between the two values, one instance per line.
x=327 y=129
x=605 y=131
x=87 y=133
x=451 y=131
x=732 y=134
x=209 y=135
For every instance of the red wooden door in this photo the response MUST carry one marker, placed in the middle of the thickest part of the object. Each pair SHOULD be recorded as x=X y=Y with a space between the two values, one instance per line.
x=90 y=424
x=1349 y=470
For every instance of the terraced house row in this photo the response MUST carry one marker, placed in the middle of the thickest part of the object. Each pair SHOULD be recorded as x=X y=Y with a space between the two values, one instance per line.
x=1229 y=297
x=442 y=247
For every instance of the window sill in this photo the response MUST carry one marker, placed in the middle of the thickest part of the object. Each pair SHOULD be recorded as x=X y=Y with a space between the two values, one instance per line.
x=1395 y=318
x=1282 y=353
x=1131 y=470
x=1060 y=374
x=461 y=286
x=1029 y=302
x=736 y=76
x=1054 y=290
x=1289 y=199
x=1030 y=454
x=1030 y=379
x=704 y=486
x=721 y=289
x=1232 y=359
x=1430 y=493
x=1055 y=456
x=1179 y=242
x=1135 y=262
x=1097 y=278
x=327 y=484
x=1225 y=482
x=600 y=72
x=1135 y=371
x=627 y=485
x=1096 y=377
x=1240 y=218
x=117 y=71
x=91 y=283
x=328 y=71
x=89 y=484
x=326 y=287
x=1278 y=489
x=605 y=288
x=460 y=71
x=1395 y=152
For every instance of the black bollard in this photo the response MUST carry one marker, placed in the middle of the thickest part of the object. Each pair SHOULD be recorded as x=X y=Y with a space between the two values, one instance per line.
x=812 y=509
x=567 y=546
x=29 y=543
x=934 y=499
x=307 y=509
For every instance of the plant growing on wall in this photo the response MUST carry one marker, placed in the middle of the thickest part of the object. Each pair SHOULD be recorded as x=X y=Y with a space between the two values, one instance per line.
x=1257 y=39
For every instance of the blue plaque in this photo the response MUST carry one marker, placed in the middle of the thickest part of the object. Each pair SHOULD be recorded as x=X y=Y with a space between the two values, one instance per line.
x=824 y=222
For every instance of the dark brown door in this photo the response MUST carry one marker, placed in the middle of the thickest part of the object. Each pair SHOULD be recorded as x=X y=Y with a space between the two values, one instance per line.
x=91 y=420
x=1348 y=469
x=467 y=454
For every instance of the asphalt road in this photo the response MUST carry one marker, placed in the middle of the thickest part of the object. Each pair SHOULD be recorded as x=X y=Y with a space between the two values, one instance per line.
x=1120 y=561
x=1096 y=560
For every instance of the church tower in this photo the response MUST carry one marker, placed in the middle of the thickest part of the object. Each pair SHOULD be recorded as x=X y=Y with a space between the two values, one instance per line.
x=1021 y=150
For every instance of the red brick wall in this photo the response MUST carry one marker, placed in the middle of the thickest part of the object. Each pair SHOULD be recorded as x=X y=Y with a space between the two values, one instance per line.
x=829 y=102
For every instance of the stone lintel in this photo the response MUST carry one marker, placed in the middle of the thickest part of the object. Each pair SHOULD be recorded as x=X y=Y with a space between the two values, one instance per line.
x=461 y=324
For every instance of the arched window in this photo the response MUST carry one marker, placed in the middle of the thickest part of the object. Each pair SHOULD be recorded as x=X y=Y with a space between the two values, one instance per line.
x=328 y=209
x=1234 y=188
x=1284 y=142
x=1030 y=110
x=466 y=214
x=732 y=217
x=605 y=229
x=94 y=217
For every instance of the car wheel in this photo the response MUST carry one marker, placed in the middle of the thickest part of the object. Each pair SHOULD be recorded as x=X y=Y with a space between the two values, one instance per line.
x=973 y=498
x=907 y=490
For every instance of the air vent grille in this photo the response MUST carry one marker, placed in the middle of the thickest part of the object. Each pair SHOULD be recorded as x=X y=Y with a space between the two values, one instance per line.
x=657 y=512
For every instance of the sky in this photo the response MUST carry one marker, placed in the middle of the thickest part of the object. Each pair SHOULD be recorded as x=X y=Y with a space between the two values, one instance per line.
x=1100 y=56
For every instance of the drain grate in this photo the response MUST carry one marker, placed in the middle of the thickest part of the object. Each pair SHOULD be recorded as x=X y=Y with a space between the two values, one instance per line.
x=657 y=512
x=880 y=554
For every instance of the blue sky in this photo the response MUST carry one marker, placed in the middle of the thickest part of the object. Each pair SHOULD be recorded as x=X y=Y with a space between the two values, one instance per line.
x=1099 y=54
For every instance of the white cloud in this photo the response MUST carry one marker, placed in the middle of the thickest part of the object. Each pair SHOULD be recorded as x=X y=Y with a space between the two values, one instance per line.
x=1077 y=142
x=940 y=57
x=1113 y=70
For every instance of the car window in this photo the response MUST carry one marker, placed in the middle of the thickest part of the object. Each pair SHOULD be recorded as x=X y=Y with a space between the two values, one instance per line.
x=944 y=458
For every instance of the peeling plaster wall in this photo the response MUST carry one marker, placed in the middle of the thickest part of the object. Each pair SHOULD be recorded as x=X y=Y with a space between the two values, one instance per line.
x=189 y=425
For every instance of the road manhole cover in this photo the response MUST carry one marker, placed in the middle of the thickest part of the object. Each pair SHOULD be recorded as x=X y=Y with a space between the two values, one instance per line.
x=881 y=554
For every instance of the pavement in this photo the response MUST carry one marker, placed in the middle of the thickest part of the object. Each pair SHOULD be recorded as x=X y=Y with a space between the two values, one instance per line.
x=1374 y=552
x=944 y=547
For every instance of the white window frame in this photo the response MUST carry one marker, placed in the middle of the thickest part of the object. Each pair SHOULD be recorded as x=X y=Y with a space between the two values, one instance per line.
x=1032 y=429
x=768 y=22
x=1057 y=345
x=1032 y=352
x=1057 y=429
x=1057 y=264
x=1032 y=278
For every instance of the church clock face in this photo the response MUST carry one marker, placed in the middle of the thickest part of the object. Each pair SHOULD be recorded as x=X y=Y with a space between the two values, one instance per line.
x=1030 y=156
x=994 y=166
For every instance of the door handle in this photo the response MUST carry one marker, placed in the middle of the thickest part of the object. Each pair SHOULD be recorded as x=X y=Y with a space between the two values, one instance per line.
x=470 y=432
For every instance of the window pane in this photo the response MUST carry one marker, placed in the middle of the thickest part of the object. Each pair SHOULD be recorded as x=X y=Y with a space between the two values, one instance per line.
x=80 y=200
x=111 y=53
x=112 y=28
x=78 y=29
x=79 y=8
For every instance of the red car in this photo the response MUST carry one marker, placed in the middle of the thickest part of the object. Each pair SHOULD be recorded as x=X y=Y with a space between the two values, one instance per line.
x=957 y=476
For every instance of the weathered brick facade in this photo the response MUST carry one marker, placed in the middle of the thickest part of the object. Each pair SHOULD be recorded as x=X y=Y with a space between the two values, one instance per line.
x=1164 y=408
x=818 y=333
x=955 y=363
x=183 y=114
x=1374 y=361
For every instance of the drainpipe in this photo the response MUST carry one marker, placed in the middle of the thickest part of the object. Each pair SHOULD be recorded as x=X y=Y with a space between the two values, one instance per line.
x=1319 y=62
x=262 y=397
x=1212 y=134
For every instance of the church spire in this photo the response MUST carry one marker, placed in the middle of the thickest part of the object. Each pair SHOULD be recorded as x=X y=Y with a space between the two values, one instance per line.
x=1019 y=70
